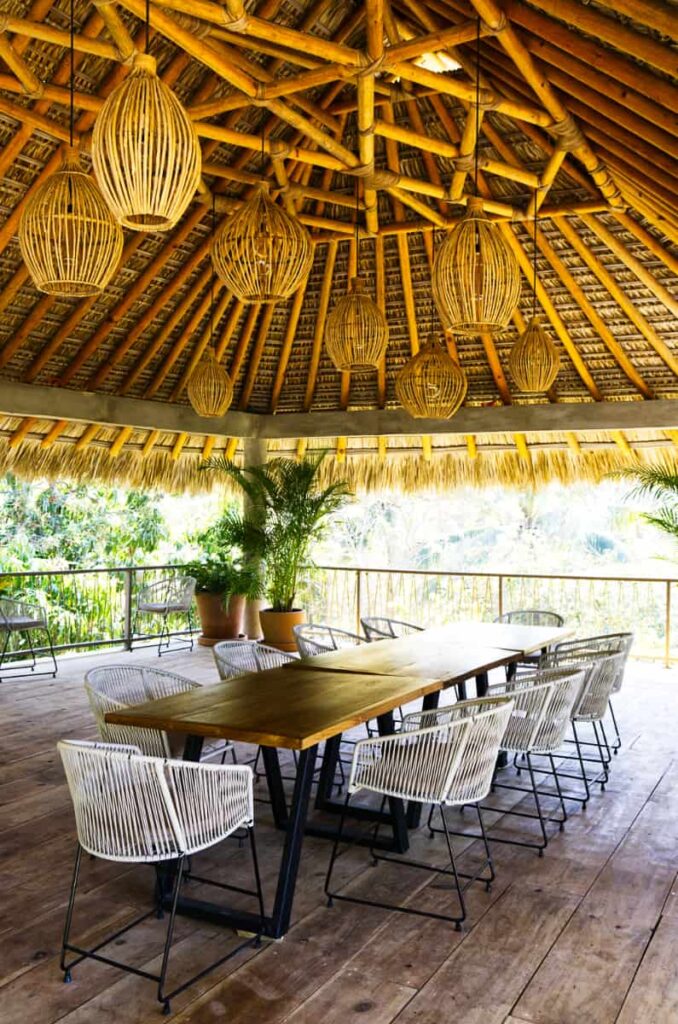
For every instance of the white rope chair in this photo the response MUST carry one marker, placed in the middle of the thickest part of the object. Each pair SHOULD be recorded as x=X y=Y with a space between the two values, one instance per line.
x=529 y=617
x=238 y=657
x=170 y=596
x=23 y=618
x=602 y=673
x=316 y=638
x=543 y=704
x=115 y=687
x=450 y=762
x=135 y=809
x=379 y=628
x=606 y=643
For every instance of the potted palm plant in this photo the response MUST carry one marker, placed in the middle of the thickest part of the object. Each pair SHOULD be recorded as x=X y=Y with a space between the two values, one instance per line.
x=288 y=512
x=223 y=581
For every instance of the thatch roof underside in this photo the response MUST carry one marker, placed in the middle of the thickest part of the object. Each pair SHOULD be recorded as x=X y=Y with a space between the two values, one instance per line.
x=580 y=101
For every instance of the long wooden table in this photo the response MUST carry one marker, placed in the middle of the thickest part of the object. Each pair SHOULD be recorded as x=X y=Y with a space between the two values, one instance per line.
x=298 y=706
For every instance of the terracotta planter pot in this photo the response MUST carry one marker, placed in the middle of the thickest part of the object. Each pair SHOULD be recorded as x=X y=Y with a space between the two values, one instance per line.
x=219 y=622
x=277 y=627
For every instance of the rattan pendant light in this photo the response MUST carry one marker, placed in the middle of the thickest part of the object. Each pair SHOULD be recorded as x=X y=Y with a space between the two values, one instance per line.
x=356 y=330
x=534 y=360
x=145 y=150
x=69 y=240
x=475 y=277
x=209 y=388
x=431 y=385
x=261 y=253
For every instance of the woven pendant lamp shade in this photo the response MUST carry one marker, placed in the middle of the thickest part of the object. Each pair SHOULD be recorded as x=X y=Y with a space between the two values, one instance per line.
x=475 y=279
x=356 y=331
x=261 y=253
x=209 y=388
x=534 y=360
x=68 y=237
x=431 y=385
x=145 y=151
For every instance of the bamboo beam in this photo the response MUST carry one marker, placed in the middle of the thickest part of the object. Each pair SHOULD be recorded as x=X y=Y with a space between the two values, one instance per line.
x=243 y=341
x=655 y=15
x=634 y=264
x=380 y=299
x=555 y=162
x=255 y=356
x=490 y=12
x=433 y=42
x=116 y=29
x=46 y=33
x=119 y=442
x=319 y=333
x=408 y=293
x=21 y=432
x=366 y=130
x=53 y=434
x=622 y=300
x=204 y=341
x=30 y=83
x=593 y=317
x=430 y=164
x=286 y=349
x=614 y=32
x=648 y=240
x=496 y=368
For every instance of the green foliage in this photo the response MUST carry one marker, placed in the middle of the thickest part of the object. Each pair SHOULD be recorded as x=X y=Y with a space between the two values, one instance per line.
x=226 y=567
x=660 y=483
x=288 y=513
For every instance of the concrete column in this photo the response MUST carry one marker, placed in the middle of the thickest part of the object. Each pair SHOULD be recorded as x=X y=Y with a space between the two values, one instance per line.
x=255 y=452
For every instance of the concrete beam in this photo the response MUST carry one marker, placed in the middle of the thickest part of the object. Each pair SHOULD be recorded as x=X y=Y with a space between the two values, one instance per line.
x=111 y=410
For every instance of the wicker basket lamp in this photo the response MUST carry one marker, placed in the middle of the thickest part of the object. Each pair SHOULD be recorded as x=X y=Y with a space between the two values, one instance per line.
x=145 y=151
x=210 y=389
x=534 y=360
x=261 y=253
x=476 y=278
x=356 y=332
x=431 y=385
x=68 y=237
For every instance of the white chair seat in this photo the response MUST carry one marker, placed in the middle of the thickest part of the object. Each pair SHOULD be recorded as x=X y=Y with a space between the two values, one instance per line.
x=17 y=622
x=160 y=607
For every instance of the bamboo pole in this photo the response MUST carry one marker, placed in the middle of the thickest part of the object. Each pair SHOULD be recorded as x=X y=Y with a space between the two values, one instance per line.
x=622 y=300
x=178 y=445
x=116 y=28
x=149 y=444
x=432 y=42
x=21 y=432
x=255 y=356
x=380 y=299
x=319 y=333
x=243 y=341
x=648 y=240
x=202 y=343
x=29 y=81
x=496 y=368
x=286 y=349
x=46 y=33
x=231 y=324
x=54 y=433
x=13 y=287
x=119 y=442
x=555 y=162
x=593 y=317
x=366 y=145
x=207 y=447
x=630 y=261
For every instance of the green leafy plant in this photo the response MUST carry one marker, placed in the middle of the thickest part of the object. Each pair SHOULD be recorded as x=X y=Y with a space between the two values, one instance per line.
x=225 y=568
x=660 y=483
x=288 y=511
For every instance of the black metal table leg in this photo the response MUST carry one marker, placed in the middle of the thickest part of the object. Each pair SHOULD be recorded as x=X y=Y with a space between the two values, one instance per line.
x=276 y=789
x=279 y=921
x=328 y=769
x=482 y=684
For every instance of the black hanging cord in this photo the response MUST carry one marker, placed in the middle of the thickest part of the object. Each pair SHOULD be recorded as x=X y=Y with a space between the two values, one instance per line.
x=534 y=262
x=477 y=104
x=214 y=217
x=357 y=227
x=148 y=23
x=71 y=121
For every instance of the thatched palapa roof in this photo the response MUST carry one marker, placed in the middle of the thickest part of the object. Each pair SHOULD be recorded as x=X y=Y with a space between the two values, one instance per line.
x=579 y=102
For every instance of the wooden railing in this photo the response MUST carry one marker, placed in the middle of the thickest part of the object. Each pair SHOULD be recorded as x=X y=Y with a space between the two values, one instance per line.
x=591 y=604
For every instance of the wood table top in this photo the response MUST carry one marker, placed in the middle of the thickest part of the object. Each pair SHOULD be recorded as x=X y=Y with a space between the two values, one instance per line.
x=507 y=635
x=281 y=707
x=417 y=655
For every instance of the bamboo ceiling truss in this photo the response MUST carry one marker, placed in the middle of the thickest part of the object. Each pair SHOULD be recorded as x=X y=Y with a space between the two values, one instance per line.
x=577 y=124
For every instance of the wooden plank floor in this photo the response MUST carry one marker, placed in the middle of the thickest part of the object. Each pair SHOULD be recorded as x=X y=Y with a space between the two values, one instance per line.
x=586 y=935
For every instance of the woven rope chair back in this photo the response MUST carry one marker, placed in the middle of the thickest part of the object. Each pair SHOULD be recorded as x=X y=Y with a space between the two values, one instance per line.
x=129 y=807
x=543 y=706
x=602 y=673
x=606 y=643
x=316 y=638
x=235 y=658
x=112 y=687
x=271 y=657
x=450 y=762
x=532 y=617
x=14 y=613
x=174 y=593
x=377 y=628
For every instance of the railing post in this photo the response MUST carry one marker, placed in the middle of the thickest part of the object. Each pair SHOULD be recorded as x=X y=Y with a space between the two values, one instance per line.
x=501 y=596
x=358 y=601
x=127 y=610
x=667 y=627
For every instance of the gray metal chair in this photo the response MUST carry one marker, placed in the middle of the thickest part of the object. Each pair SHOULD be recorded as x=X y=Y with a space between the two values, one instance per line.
x=23 y=618
x=170 y=596
x=382 y=628
x=529 y=617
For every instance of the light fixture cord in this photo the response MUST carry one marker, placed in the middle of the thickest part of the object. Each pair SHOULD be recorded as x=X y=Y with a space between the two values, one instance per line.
x=477 y=104
x=534 y=262
x=71 y=122
x=148 y=23
x=357 y=231
x=214 y=216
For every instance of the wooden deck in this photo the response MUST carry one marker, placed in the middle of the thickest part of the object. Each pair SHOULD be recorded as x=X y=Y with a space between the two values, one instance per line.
x=586 y=935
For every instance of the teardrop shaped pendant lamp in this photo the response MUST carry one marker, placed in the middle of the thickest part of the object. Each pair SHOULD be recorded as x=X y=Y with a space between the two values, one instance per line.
x=356 y=332
x=145 y=151
x=431 y=385
x=261 y=253
x=475 y=279
x=534 y=360
x=210 y=389
x=68 y=237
